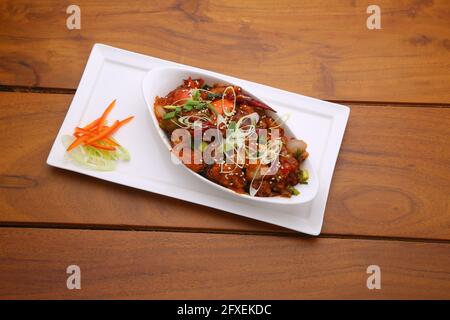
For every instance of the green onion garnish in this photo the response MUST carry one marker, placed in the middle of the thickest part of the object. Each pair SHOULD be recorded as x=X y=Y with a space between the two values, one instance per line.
x=211 y=107
x=294 y=191
x=303 y=176
x=196 y=95
x=232 y=125
x=169 y=115
x=214 y=96
x=203 y=146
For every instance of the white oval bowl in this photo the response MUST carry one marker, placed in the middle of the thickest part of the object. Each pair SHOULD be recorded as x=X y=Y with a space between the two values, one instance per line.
x=161 y=81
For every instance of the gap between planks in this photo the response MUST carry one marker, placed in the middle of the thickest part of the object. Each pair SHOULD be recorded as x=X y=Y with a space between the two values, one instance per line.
x=99 y=227
x=47 y=90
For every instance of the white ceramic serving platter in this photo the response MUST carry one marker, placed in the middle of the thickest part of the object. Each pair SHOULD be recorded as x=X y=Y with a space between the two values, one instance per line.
x=113 y=73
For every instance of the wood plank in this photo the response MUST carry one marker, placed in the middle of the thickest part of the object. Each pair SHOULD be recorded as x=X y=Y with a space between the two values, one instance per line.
x=391 y=179
x=321 y=48
x=149 y=265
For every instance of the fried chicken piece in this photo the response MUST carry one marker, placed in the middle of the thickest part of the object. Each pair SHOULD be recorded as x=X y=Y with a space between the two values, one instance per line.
x=228 y=175
x=190 y=163
x=264 y=190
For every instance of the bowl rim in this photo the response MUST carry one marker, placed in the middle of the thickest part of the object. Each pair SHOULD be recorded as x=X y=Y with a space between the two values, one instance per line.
x=273 y=200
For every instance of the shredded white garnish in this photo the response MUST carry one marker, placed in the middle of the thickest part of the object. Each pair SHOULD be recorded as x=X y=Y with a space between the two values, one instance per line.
x=235 y=146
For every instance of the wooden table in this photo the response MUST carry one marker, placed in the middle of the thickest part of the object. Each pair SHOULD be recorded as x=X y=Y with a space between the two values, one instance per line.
x=389 y=202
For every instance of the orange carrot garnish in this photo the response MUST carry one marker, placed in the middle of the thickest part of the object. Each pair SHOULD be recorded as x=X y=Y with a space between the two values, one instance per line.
x=102 y=119
x=83 y=131
x=77 y=142
x=125 y=121
x=92 y=125
x=111 y=142
x=105 y=133
x=99 y=146
x=97 y=131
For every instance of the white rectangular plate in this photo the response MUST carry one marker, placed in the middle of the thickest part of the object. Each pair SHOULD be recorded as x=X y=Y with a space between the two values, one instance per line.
x=113 y=73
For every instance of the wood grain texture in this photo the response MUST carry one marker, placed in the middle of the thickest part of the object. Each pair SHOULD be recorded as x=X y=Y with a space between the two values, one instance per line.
x=147 y=265
x=391 y=179
x=321 y=48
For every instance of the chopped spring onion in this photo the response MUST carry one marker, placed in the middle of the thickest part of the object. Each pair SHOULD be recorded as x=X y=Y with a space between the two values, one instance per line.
x=232 y=125
x=203 y=146
x=213 y=96
x=294 y=191
x=196 y=95
x=169 y=115
x=187 y=107
x=198 y=105
x=303 y=176
x=201 y=105
x=211 y=107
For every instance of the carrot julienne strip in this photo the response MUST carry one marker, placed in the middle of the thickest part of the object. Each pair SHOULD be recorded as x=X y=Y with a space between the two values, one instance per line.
x=97 y=131
x=105 y=133
x=125 y=121
x=77 y=142
x=111 y=142
x=92 y=125
x=105 y=114
x=104 y=147
x=83 y=131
